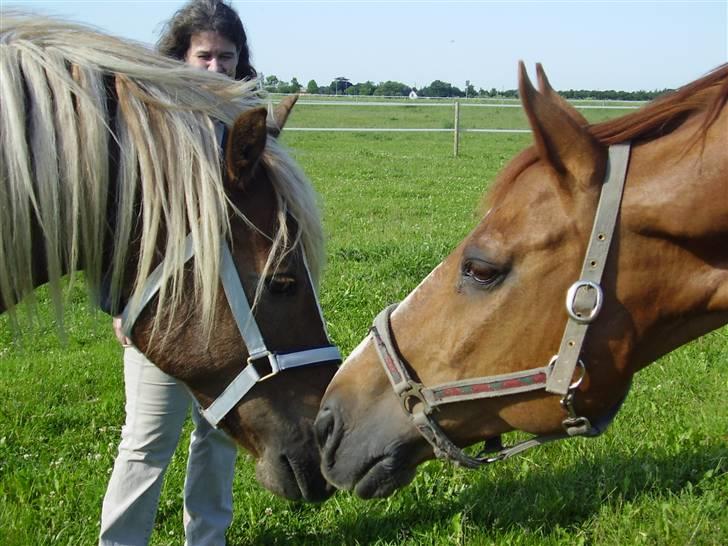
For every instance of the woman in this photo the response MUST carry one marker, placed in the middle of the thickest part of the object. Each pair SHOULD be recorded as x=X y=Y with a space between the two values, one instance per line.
x=209 y=35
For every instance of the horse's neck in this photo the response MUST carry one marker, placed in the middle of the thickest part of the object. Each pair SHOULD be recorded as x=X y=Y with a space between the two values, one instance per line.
x=675 y=212
x=681 y=182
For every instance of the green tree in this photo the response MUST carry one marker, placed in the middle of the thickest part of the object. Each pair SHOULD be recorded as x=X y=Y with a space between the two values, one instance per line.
x=438 y=88
x=392 y=89
x=366 y=88
x=295 y=86
x=340 y=85
x=271 y=84
x=312 y=87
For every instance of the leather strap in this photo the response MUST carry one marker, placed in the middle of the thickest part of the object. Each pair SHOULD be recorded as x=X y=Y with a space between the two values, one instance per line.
x=238 y=302
x=454 y=391
x=584 y=298
x=287 y=361
x=232 y=394
x=134 y=308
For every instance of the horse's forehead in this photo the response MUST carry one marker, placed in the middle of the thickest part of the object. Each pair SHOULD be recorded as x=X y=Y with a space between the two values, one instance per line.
x=524 y=197
x=525 y=213
x=258 y=201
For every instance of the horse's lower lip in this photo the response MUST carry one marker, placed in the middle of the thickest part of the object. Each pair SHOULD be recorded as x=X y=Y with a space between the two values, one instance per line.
x=294 y=494
x=308 y=489
x=382 y=478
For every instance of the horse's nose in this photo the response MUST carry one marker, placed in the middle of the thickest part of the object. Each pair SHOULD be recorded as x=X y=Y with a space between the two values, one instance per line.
x=327 y=429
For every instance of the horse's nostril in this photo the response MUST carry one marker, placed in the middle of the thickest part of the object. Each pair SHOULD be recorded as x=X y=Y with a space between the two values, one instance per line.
x=324 y=426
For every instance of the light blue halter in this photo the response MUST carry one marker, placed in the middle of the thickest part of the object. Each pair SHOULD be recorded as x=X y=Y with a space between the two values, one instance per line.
x=248 y=327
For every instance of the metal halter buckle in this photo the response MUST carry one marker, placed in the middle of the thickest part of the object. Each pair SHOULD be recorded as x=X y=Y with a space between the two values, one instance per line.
x=579 y=364
x=571 y=300
x=573 y=424
x=272 y=362
x=410 y=395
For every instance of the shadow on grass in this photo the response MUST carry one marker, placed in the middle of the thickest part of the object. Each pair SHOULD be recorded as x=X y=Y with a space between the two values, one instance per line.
x=530 y=498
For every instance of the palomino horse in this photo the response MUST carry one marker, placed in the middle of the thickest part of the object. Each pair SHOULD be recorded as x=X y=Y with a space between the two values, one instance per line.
x=485 y=339
x=111 y=165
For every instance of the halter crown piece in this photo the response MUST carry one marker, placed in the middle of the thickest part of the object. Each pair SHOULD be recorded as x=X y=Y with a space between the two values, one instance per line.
x=258 y=352
x=583 y=304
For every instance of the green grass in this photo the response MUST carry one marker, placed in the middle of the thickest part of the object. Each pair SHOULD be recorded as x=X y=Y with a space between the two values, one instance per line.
x=394 y=206
x=275 y=97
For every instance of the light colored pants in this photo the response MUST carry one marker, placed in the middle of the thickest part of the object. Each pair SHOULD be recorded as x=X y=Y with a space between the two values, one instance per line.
x=156 y=408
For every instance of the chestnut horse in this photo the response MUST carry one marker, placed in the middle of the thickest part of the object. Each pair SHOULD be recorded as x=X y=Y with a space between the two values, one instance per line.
x=111 y=165
x=485 y=339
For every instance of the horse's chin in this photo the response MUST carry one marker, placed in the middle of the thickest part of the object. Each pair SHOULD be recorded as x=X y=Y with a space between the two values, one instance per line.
x=383 y=478
x=372 y=475
x=293 y=479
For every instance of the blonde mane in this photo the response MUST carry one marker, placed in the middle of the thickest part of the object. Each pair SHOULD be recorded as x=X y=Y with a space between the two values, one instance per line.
x=69 y=96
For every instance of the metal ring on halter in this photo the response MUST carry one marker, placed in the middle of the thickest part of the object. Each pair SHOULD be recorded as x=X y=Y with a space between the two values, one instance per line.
x=571 y=300
x=272 y=361
x=579 y=363
x=410 y=395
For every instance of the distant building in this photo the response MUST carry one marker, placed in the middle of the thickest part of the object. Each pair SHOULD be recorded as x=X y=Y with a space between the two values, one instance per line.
x=413 y=94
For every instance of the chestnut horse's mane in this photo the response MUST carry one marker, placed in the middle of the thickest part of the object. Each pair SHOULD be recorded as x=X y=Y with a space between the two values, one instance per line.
x=69 y=95
x=708 y=94
x=663 y=115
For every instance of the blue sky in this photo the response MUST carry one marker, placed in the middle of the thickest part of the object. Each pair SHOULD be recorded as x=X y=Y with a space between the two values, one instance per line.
x=626 y=45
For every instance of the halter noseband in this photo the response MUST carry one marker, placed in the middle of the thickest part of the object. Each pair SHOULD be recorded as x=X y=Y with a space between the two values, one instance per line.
x=253 y=372
x=583 y=304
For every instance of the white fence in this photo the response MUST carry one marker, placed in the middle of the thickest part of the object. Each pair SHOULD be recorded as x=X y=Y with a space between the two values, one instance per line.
x=450 y=104
x=456 y=105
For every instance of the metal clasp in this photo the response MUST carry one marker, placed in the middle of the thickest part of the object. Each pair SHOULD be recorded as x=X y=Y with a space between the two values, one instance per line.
x=571 y=295
x=272 y=362
x=579 y=364
x=573 y=424
x=410 y=395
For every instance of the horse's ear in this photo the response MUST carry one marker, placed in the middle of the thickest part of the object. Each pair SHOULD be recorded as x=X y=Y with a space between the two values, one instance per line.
x=245 y=145
x=547 y=91
x=560 y=139
x=277 y=120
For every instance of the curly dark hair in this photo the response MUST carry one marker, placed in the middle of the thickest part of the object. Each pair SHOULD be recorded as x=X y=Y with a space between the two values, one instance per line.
x=202 y=16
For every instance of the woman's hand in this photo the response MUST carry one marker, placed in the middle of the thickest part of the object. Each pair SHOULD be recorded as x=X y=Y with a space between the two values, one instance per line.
x=125 y=341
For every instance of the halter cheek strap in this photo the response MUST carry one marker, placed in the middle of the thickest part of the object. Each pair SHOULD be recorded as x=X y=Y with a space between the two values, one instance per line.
x=256 y=346
x=259 y=354
x=134 y=308
x=583 y=304
x=584 y=298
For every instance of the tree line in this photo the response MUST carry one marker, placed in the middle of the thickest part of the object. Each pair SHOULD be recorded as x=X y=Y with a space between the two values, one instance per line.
x=438 y=88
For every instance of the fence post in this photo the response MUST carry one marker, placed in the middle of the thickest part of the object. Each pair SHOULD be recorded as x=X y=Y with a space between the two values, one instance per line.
x=456 y=135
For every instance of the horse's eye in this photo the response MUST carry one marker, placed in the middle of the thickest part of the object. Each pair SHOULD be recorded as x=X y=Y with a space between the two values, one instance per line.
x=281 y=284
x=482 y=273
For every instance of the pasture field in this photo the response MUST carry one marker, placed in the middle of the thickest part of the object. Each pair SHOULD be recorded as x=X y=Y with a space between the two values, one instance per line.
x=420 y=116
x=394 y=205
x=448 y=100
